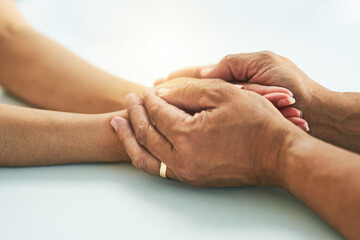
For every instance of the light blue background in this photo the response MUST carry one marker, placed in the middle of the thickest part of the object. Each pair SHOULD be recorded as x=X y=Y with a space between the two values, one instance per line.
x=143 y=40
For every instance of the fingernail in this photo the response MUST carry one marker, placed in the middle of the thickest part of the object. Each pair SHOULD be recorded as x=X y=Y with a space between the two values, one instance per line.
x=292 y=100
x=240 y=86
x=286 y=102
x=205 y=71
x=307 y=127
x=301 y=113
x=304 y=127
x=115 y=122
x=163 y=91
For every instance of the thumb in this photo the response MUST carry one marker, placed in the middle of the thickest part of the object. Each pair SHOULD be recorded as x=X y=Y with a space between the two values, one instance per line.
x=159 y=81
x=191 y=72
x=194 y=96
x=236 y=67
x=220 y=70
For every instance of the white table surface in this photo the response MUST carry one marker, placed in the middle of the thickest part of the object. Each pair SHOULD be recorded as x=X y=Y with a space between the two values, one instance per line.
x=143 y=40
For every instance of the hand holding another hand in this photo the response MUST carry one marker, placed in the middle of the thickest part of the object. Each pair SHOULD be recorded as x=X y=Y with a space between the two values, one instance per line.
x=209 y=133
x=268 y=69
x=214 y=134
x=280 y=97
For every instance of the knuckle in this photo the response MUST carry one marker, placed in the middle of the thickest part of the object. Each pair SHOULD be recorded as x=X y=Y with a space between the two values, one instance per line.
x=187 y=85
x=220 y=89
x=182 y=139
x=155 y=107
x=218 y=93
x=140 y=133
x=267 y=55
x=204 y=99
x=184 y=142
x=214 y=81
x=189 y=176
x=184 y=135
x=212 y=92
x=139 y=162
x=228 y=58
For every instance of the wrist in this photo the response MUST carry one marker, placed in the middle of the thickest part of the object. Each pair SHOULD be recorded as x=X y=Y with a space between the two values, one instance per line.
x=275 y=151
x=293 y=144
x=316 y=100
x=334 y=118
x=116 y=92
x=109 y=144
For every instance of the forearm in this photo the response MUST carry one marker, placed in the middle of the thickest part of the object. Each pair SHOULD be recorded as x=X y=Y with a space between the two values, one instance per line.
x=10 y=18
x=326 y=178
x=45 y=74
x=335 y=118
x=31 y=137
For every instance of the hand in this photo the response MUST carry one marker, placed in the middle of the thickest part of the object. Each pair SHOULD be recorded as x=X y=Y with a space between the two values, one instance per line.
x=235 y=137
x=280 y=97
x=267 y=68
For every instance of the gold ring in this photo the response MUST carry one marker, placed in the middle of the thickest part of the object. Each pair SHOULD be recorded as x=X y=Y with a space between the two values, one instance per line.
x=163 y=170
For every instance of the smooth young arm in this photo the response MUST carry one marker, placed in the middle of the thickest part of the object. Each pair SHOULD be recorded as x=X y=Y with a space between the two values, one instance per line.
x=31 y=137
x=47 y=75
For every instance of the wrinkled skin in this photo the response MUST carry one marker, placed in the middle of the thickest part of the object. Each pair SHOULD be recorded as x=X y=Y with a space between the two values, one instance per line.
x=280 y=97
x=269 y=69
x=245 y=150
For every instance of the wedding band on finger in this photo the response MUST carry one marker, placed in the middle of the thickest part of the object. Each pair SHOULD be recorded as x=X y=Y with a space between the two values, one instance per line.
x=163 y=168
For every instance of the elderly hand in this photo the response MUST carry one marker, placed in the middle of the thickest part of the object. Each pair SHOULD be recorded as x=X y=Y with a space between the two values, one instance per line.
x=280 y=97
x=209 y=133
x=322 y=108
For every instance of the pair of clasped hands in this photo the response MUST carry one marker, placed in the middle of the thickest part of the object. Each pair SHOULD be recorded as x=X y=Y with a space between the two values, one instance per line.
x=225 y=125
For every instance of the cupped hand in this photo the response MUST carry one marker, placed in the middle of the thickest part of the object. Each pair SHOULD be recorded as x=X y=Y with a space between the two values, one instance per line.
x=209 y=133
x=265 y=68
x=280 y=97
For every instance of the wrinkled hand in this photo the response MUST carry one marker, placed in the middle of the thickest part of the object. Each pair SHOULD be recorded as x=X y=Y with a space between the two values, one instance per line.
x=265 y=68
x=280 y=97
x=235 y=137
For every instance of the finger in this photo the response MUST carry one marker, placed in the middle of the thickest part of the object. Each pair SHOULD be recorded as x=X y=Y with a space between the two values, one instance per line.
x=290 y=112
x=140 y=157
x=168 y=109
x=304 y=127
x=196 y=96
x=280 y=100
x=193 y=72
x=300 y=123
x=145 y=133
x=188 y=72
x=159 y=81
x=263 y=90
x=238 y=67
x=227 y=69
x=167 y=118
x=297 y=120
x=174 y=83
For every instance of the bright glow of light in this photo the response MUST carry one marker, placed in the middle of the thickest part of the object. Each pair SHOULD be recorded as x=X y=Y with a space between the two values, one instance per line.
x=164 y=54
x=144 y=40
x=348 y=11
x=152 y=42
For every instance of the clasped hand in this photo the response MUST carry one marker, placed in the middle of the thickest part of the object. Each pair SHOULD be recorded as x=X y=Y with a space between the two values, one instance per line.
x=212 y=133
